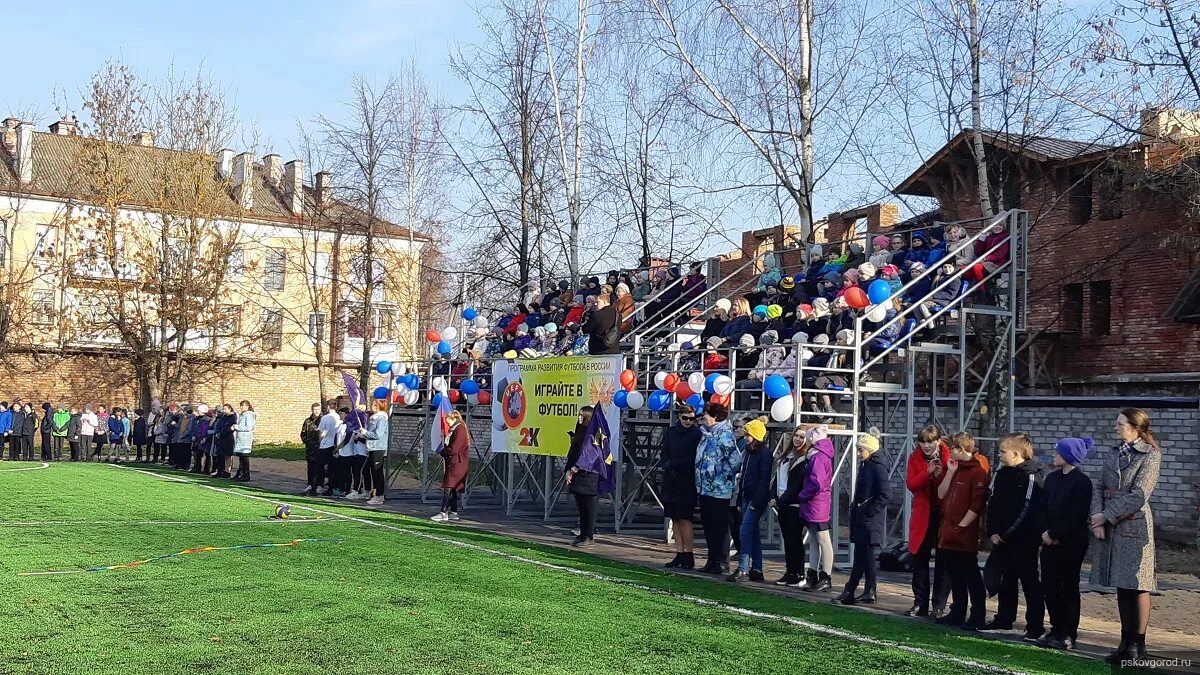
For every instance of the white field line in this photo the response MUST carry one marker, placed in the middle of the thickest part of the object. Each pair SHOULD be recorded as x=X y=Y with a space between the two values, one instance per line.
x=43 y=465
x=696 y=600
x=264 y=521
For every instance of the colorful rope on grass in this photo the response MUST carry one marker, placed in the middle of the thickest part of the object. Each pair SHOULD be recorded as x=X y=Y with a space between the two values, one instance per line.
x=186 y=551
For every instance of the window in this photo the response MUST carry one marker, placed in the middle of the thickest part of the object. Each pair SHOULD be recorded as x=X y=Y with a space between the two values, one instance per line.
x=1186 y=306
x=237 y=261
x=1110 y=188
x=1080 y=203
x=272 y=329
x=228 y=318
x=275 y=269
x=1101 y=307
x=319 y=271
x=44 y=247
x=1072 y=308
x=388 y=328
x=356 y=321
x=316 y=327
x=43 y=307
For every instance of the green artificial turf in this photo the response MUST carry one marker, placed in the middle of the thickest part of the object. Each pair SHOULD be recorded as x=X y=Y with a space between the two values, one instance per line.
x=383 y=601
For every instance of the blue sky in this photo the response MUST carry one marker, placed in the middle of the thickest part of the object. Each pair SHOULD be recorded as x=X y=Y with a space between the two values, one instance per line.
x=281 y=61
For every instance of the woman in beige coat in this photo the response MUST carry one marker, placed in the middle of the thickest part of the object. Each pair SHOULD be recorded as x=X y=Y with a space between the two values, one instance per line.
x=1123 y=525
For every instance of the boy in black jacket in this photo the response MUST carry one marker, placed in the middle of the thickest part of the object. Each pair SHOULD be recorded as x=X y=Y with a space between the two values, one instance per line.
x=1067 y=496
x=1014 y=526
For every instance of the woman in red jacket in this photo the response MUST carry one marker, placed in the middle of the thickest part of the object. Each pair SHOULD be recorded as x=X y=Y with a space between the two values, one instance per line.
x=926 y=466
x=456 y=451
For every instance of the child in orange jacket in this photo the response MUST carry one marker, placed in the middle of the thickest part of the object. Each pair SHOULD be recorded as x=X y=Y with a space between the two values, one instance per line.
x=963 y=494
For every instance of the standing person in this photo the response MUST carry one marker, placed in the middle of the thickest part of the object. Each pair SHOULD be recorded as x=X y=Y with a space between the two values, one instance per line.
x=75 y=433
x=339 y=480
x=868 y=508
x=310 y=436
x=924 y=472
x=1123 y=526
x=790 y=469
x=815 y=501
x=127 y=425
x=181 y=439
x=1066 y=498
x=60 y=426
x=717 y=463
x=46 y=425
x=156 y=426
x=753 y=495
x=16 y=430
x=1014 y=527
x=356 y=428
x=87 y=428
x=224 y=439
x=116 y=435
x=587 y=472
x=5 y=426
x=376 y=435
x=603 y=328
x=29 y=430
x=140 y=435
x=100 y=437
x=456 y=452
x=328 y=428
x=678 y=489
x=963 y=493
x=247 y=422
x=201 y=440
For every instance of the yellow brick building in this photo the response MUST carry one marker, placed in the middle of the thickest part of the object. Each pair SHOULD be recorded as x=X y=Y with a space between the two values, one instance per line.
x=130 y=271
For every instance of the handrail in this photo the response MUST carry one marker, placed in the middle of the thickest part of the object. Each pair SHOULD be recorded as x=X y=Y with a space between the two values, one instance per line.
x=644 y=328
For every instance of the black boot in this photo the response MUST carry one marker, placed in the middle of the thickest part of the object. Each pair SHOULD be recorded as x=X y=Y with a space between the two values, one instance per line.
x=824 y=583
x=844 y=598
x=867 y=598
x=1139 y=646
x=688 y=562
x=1121 y=653
x=675 y=562
x=810 y=580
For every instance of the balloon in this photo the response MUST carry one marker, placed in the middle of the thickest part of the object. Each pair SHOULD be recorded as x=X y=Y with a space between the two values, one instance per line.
x=708 y=383
x=398 y=368
x=413 y=397
x=398 y=398
x=879 y=292
x=470 y=387
x=621 y=398
x=628 y=380
x=485 y=397
x=481 y=321
x=723 y=385
x=433 y=336
x=696 y=401
x=761 y=311
x=444 y=347
x=436 y=400
x=635 y=399
x=473 y=399
x=720 y=399
x=877 y=313
x=454 y=395
x=660 y=379
x=401 y=389
x=695 y=381
x=412 y=381
x=449 y=333
x=660 y=400
x=383 y=367
x=670 y=382
x=783 y=409
x=776 y=386
x=381 y=393
x=439 y=384
x=683 y=391
x=856 y=298
x=469 y=314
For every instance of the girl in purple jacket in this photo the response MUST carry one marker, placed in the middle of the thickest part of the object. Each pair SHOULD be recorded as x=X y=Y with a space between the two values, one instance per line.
x=814 y=501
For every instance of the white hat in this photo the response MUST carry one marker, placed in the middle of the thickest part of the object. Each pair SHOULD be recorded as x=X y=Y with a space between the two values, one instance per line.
x=747 y=340
x=724 y=305
x=845 y=336
x=800 y=337
x=867 y=270
x=202 y=409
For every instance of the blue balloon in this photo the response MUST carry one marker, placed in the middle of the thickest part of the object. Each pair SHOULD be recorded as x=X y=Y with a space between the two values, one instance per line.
x=621 y=398
x=776 y=386
x=436 y=400
x=469 y=387
x=696 y=401
x=411 y=381
x=383 y=367
x=761 y=311
x=444 y=347
x=708 y=383
x=660 y=400
x=879 y=292
x=381 y=393
x=469 y=314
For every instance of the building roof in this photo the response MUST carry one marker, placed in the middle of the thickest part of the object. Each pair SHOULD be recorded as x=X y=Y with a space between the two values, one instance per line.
x=1039 y=148
x=56 y=159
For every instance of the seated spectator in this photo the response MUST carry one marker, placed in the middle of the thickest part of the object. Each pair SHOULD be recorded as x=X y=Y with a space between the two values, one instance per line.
x=891 y=274
x=866 y=274
x=517 y=320
x=919 y=252
x=831 y=284
x=770 y=359
x=833 y=262
x=522 y=340
x=812 y=275
x=771 y=274
x=574 y=311
x=955 y=235
x=944 y=296
x=642 y=287
x=899 y=250
x=739 y=322
x=534 y=319
x=717 y=320
x=996 y=238
x=818 y=323
x=854 y=256
x=624 y=307
x=849 y=280
x=714 y=360
x=881 y=339
x=917 y=292
x=880 y=255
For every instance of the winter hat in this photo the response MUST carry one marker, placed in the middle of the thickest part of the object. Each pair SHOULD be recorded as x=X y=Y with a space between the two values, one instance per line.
x=769 y=338
x=510 y=354
x=833 y=278
x=523 y=329
x=746 y=341
x=578 y=299
x=921 y=236
x=840 y=302
x=869 y=442
x=622 y=289
x=856 y=248
x=551 y=328
x=800 y=338
x=529 y=353
x=756 y=429
x=817 y=433
x=687 y=346
x=845 y=336
x=816 y=250
x=891 y=271
x=867 y=271
x=787 y=283
x=881 y=242
x=724 y=305
x=852 y=275
x=713 y=342
x=821 y=339
x=564 y=285
x=916 y=268
x=202 y=409
x=539 y=332
x=820 y=307
x=1074 y=450
x=774 y=311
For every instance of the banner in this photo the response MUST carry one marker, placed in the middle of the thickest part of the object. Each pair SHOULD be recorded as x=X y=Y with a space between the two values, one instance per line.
x=535 y=403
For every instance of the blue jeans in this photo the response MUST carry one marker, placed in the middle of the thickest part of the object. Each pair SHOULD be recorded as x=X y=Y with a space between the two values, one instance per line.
x=750 y=555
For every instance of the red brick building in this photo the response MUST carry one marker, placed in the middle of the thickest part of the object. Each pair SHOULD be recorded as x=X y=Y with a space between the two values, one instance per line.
x=1114 y=290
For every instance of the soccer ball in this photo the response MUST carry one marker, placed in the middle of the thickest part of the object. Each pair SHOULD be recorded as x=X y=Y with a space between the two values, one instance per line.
x=283 y=511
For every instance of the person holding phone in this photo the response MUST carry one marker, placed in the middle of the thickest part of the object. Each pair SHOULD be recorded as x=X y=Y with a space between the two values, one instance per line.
x=926 y=466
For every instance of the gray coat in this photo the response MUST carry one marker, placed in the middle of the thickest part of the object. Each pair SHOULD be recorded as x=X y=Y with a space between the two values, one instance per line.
x=1125 y=558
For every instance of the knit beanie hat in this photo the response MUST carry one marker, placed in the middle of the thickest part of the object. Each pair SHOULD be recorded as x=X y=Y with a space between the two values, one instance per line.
x=746 y=341
x=756 y=429
x=821 y=339
x=817 y=433
x=881 y=242
x=816 y=249
x=769 y=338
x=856 y=248
x=852 y=275
x=820 y=307
x=1074 y=450
x=833 y=278
x=724 y=304
x=845 y=336
x=866 y=271
x=869 y=442
x=800 y=338
x=774 y=311
x=787 y=283
x=713 y=342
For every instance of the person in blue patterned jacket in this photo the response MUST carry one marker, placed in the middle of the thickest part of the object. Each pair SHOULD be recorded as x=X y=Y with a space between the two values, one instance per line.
x=717 y=462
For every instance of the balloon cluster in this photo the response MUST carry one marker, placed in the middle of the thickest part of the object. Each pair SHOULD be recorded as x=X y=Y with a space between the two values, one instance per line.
x=778 y=388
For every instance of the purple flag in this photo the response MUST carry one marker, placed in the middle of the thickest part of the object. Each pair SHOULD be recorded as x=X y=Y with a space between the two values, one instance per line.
x=356 y=399
x=595 y=455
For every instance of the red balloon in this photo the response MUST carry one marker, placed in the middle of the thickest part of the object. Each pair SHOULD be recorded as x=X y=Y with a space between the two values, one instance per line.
x=398 y=398
x=485 y=397
x=433 y=336
x=454 y=395
x=628 y=380
x=670 y=382
x=720 y=399
x=683 y=391
x=856 y=298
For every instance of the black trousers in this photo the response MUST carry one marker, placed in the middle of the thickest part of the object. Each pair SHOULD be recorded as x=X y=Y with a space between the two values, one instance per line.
x=160 y=451
x=14 y=447
x=450 y=500
x=180 y=455
x=920 y=573
x=587 y=515
x=222 y=464
x=341 y=474
x=966 y=582
x=1060 y=583
x=357 y=462
x=74 y=451
x=866 y=563
x=1019 y=562
x=56 y=446
x=26 y=444
x=47 y=447
x=373 y=479
x=326 y=461
x=312 y=457
x=714 y=518
x=791 y=529
x=244 y=465
x=735 y=526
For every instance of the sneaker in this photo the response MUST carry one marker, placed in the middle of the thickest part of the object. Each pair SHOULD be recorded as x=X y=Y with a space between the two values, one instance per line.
x=756 y=575
x=453 y=515
x=1052 y=642
x=1033 y=634
x=581 y=542
x=338 y=494
x=974 y=626
x=439 y=518
x=995 y=625
x=792 y=580
x=738 y=577
x=307 y=490
x=575 y=531
x=360 y=496
x=353 y=494
x=917 y=610
x=375 y=501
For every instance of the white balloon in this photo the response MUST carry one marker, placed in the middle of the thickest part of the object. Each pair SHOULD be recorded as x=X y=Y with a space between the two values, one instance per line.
x=723 y=385
x=413 y=397
x=660 y=378
x=401 y=390
x=634 y=400
x=481 y=321
x=783 y=409
x=877 y=313
x=473 y=399
x=398 y=368
x=696 y=382
x=449 y=333
x=439 y=384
